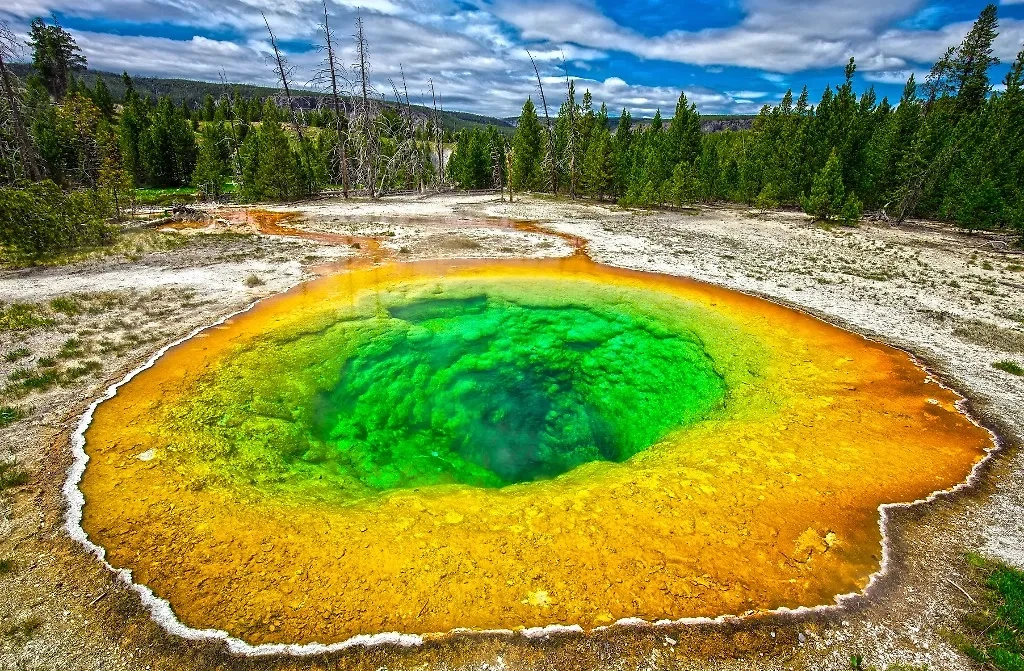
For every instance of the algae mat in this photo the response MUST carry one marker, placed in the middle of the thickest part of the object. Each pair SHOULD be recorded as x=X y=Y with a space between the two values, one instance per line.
x=501 y=444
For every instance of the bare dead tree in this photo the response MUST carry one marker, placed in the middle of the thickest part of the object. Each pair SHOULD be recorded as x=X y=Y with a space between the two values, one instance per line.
x=333 y=71
x=236 y=141
x=509 y=159
x=283 y=72
x=497 y=159
x=414 y=163
x=9 y=48
x=439 y=138
x=367 y=112
x=550 y=160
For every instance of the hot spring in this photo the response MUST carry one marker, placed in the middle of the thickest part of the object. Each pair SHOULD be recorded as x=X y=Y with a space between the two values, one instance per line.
x=501 y=444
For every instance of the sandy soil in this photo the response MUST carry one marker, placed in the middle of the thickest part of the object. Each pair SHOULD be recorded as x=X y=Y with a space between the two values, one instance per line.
x=955 y=301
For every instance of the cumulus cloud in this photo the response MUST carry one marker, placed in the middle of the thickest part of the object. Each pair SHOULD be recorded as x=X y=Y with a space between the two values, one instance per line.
x=783 y=36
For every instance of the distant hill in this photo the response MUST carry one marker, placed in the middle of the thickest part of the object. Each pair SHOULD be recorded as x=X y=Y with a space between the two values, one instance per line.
x=709 y=123
x=194 y=92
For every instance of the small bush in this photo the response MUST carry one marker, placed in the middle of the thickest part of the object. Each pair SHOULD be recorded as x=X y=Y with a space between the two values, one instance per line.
x=1011 y=367
x=7 y=566
x=851 y=211
x=253 y=281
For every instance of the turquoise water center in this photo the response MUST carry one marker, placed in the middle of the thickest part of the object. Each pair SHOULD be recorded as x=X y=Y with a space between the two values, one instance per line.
x=490 y=392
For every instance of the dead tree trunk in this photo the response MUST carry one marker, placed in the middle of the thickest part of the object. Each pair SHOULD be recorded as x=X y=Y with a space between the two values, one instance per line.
x=550 y=161
x=282 y=74
x=336 y=101
x=368 y=141
x=28 y=157
x=437 y=135
x=410 y=129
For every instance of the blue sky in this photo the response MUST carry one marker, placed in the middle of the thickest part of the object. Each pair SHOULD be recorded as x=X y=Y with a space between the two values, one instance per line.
x=729 y=56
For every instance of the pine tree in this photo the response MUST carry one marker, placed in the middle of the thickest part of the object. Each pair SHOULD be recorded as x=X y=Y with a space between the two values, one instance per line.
x=55 y=56
x=168 y=146
x=684 y=133
x=623 y=146
x=211 y=164
x=209 y=107
x=827 y=195
x=528 y=151
x=973 y=60
x=102 y=99
x=599 y=164
x=271 y=170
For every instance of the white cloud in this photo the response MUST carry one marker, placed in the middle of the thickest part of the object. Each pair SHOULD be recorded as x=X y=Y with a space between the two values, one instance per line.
x=895 y=76
x=475 y=51
x=783 y=36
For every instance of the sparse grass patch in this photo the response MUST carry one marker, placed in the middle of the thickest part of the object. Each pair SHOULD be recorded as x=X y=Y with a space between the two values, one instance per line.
x=9 y=415
x=11 y=475
x=75 y=372
x=22 y=316
x=17 y=355
x=996 y=627
x=254 y=281
x=66 y=305
x=71 y=349
x=23 y=629
x=1011 y=367
x=46 y=362
x=20 y=374
x=41 y=381
x=857 y=664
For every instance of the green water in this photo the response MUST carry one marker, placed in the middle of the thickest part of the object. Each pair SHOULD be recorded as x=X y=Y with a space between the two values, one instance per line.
x=489 y=388
x=489 y=392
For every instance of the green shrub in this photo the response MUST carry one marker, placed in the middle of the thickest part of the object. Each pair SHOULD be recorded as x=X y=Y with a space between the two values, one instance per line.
x=851 y=211
x=1011 y=367
x=65 y=305
x=11 y=475
x=40 y=219
x=9 y=415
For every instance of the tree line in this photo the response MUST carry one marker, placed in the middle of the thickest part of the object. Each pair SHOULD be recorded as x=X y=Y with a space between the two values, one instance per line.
x=951 y=149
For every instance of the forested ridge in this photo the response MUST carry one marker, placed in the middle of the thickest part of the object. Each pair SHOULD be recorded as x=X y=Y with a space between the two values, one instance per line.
x=952 y=148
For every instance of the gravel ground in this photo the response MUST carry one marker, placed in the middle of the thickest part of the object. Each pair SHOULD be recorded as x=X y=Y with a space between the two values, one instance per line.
x=954 y=301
